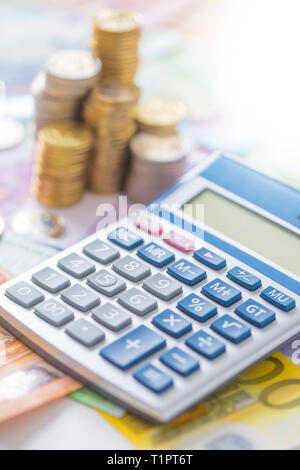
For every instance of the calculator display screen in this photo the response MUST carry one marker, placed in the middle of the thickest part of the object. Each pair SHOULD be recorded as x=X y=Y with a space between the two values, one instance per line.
x=252 y=230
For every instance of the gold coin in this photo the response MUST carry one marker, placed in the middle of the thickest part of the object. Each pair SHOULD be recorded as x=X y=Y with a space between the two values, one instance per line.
x=159 y=112
x=68 y=134
x=118 y=21
x=37 y=223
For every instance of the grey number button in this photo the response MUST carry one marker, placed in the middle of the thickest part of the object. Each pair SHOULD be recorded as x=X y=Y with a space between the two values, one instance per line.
x=131 y=268
x=76 y=265
x=101 y=251
x=80 y=298
x=106 y=283
x=137 y=301
x=162 y=286
x=85 y=332
x=24 y=294
x=54 y=312
x=50 y=280
x=111 y=316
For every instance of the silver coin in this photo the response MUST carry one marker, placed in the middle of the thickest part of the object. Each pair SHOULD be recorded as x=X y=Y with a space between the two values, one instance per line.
x=73 y=64
x=12 y=133
x=37 y=223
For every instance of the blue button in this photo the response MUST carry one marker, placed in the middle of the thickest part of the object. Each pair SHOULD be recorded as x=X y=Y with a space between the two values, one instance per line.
x=205 y=344
x=278 y=298
x=133 y=347
x=197 y=307
x=172 y=323
x=255 y=313
x=210 y=259
x=231 y=329
x=186 y=272
x=125 y=238
x=180 y=361
x=153 y=378
x=244 y=278
x=156 y=254
x=221 y=292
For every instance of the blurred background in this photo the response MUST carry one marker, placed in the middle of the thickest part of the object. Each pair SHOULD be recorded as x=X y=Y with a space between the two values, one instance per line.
x=233 y=63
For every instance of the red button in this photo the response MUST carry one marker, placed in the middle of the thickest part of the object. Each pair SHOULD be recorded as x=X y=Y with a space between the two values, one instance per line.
x=145 y=223
x=179 y=241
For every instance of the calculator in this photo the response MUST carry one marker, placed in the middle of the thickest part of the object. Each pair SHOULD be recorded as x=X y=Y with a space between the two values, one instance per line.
x=164 y=307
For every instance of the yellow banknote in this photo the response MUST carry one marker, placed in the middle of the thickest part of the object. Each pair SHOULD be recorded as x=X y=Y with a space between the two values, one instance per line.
x=260 y=409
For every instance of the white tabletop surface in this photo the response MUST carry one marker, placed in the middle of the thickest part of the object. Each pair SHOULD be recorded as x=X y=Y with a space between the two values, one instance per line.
x=62 y=424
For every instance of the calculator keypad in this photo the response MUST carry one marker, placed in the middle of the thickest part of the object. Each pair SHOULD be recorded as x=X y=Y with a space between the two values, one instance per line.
x=112 y=317
x=133 y=347
x=155 y=296
x=131 y=268
x=106 y=282
x=80 y=298
x=76 y=266
x=50 y=280
x=163 y=287
x=54 y=312
x=231 y=329
x=101 y=252
x=137 y=302
x=221 y=292
x=85 y=332
x=24 y=294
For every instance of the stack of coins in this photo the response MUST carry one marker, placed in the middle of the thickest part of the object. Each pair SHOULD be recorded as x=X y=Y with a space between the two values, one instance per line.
x=159 y=117
x=115 y=43
x=156 y=162
x=109 y=111
x=62 y=157
x=59 y=90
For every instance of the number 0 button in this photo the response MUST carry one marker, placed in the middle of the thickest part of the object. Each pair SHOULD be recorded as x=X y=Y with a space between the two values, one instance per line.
x=24 y=294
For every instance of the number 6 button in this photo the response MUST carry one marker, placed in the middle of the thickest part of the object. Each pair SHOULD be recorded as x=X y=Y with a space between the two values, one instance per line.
x=137 y=301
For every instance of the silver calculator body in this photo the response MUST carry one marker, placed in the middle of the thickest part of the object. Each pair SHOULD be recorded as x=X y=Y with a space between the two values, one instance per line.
x=139 y=372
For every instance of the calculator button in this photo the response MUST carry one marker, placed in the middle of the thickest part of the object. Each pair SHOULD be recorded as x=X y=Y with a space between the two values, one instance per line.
x=197 y=307
x=163 y=287
x=137 y=301
x=244 y=278
x=50 y=280
x=24 y=294
x=106 y=283
x=172 y=323
x=179 y=241
x=80 y=298
x=111 y=316
x=125 y=238
x=221 y=292
x=210 y=259
x=231 y=329
x=156 y=254
x=85 y=332
x=278 y=298
x=101 y=252
x=255 y=313
x=148 y=224
x=76 y=265
x=153 y=378
x=133 y=347
x=186 y=272
x=180 y=361
x=54 y=312
x=131 y=268
x=206 y=345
